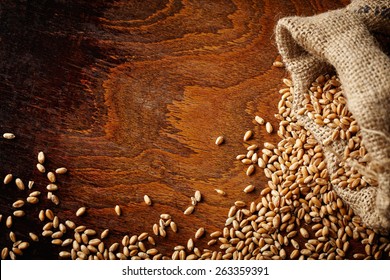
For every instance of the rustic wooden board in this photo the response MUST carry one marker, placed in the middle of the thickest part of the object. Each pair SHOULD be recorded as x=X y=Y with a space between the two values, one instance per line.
x=130 y=97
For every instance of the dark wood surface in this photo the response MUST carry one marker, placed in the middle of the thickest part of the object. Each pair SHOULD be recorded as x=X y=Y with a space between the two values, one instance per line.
x=130 y=96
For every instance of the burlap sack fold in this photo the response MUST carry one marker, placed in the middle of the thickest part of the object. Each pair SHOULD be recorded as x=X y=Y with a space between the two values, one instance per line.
x=343 y=39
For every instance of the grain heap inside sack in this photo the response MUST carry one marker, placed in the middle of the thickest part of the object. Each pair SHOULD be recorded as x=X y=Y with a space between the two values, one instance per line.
x=299 y=215
x=344 y=40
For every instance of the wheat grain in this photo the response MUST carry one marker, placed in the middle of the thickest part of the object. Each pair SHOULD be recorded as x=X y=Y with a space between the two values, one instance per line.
x=61 y=170
x=147 y=200
x=219 y=140
x=81 y=211
x=19 y=183
x=189 y=210
x=248 y=135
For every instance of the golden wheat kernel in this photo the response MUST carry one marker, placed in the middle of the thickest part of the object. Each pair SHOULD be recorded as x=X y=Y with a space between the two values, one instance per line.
x=294 y=254
x=147 y=200
x=249 y=188
x=304 y=233
x=8 y=135
x=57 y=241
x=62 y=228
x=81 y=211
x=47 y=233
x=155 y=229
x=359 y=256
x=19 y=183
x=212 y=242
x=55 y=199
x=49 y=214
x=18 y=204
x=82 y=255
x=57 y=234
x=56 y=222
x=141 y=246
x=219 y=140
x=125 y=241
x=33 y=236
x=190 y=244
x=143 y=236
x=246 y=161
x=61 y=170
x=80 y=229
x=306 y=252
x=216 y=234
x=19 y=213
x=192 y=256
x=254 y=158
x=178 y=248
x=151 y=240
x=96 y=242
x=268 y=127
x=67 y=242
x=52 y=187
x=249 y=154
x=276 y=221
x=89 y=231
x=240 y=203
x=84 y=238
x=64 y=254
x=152 y=251
x=221 y=192
x=198 y=196
x=252 y=147
x=12 y=255
x=162 y=231
x=287 y=82
x=248 y=135
x=8 y=179
x=189 y=210
x=278 y=64
x=41 y=157
x=104 y=233
x=133 y=240
x=34 y=194
x=17 y=251
x=175 y=255
x=51 y=176
x=70 y=224
x=120 y=256
x=240 y=157
x=199 y=233
x=12 y=236
x=250 y=170
x=41 y=215
x=118 y=210
x=41 y=168
x=259 y=120
x=261 y=163
x=165 y=216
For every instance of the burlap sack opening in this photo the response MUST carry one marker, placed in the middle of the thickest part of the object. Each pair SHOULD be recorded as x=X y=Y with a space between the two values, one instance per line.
x=342 y=39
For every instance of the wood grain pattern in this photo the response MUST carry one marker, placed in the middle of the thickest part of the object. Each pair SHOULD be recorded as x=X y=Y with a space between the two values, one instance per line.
x=130 y=97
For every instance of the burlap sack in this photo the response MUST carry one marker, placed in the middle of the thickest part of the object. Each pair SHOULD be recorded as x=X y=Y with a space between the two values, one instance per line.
x=343 y=39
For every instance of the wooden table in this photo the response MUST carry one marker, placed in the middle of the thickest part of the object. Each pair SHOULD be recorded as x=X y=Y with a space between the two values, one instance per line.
x=130 y=97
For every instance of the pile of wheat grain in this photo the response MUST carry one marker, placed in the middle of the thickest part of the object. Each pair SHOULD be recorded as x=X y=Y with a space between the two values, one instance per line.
x=298 y=215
